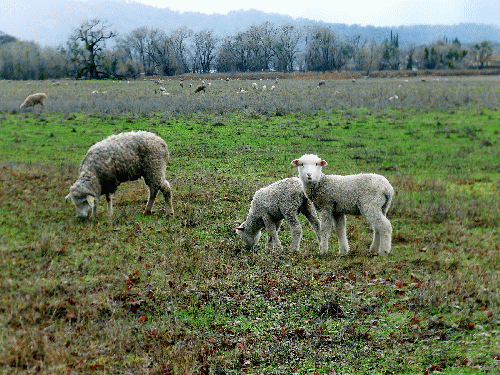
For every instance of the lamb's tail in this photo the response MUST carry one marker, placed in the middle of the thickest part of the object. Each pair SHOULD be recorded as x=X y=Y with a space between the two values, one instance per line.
x=388 y=200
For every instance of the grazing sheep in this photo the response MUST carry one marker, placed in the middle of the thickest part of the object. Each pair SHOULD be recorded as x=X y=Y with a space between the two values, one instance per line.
x=200 y=88
x=34 y=99
x=335 y=196
x=254 y=86
x=120 y=158
x=284 y=199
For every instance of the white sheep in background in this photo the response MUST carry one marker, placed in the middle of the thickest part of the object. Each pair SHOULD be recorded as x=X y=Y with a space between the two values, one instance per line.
x=34 y=99
x=335 y=196
x=284 y=199
x=254 y=86
x=120 y=158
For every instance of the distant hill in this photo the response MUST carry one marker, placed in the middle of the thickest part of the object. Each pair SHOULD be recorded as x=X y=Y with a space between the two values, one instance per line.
x=50 y=22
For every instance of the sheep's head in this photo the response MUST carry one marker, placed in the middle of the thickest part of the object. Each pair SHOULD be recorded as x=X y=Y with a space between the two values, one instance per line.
x=309 y=168
x=82 y=202
x=249 y=237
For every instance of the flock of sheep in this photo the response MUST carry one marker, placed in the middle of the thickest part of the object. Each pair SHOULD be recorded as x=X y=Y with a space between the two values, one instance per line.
x=323 y=199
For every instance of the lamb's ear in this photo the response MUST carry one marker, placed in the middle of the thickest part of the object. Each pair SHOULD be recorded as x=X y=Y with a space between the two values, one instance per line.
x=91 y=200
x=240 y=228
x=295 y=162
x=323 y=163
x=68 y=196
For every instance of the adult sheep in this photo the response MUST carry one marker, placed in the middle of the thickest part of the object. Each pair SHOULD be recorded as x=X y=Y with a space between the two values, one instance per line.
x=34 y=99
x=335 y=196
x=120 y=158
x=284 y=199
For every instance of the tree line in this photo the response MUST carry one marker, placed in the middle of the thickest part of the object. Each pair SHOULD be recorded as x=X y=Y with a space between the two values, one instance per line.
x=94 y=50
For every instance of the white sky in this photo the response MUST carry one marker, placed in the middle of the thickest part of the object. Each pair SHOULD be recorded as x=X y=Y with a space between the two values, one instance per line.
x=362 y=12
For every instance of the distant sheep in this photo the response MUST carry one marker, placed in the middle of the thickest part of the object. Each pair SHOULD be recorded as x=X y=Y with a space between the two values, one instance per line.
x=120 y=158
x=284 y=199
x=200 y=88
x=335 y=196
x=34 y=99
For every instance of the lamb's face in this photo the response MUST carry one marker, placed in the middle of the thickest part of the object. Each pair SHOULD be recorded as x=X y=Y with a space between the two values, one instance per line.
x=310 y=168
x=250 y=239
x=82 y=204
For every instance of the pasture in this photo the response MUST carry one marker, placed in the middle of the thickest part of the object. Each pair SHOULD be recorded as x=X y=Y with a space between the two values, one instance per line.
x=136 y=294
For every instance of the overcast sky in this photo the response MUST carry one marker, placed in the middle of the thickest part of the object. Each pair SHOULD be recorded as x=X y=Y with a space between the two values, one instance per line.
x=362 y=12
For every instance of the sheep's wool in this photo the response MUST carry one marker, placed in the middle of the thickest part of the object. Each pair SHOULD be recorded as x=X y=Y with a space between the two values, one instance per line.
x=120 y=158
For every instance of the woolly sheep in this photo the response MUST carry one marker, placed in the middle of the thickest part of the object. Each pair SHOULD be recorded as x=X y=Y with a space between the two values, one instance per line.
x=120 y=158
x=34 y=99
x=284 y=199
x=335 y=196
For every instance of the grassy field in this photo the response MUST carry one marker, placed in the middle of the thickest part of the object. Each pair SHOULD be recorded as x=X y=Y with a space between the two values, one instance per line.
x=135 y=294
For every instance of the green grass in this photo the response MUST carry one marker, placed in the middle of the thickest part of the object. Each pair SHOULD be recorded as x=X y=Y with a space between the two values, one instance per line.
x=147 y=294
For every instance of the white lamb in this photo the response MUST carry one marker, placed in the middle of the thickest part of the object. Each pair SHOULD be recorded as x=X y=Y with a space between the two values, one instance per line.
x=335 y=196
x=34 y=99
x=284 y=199
x=120 y=158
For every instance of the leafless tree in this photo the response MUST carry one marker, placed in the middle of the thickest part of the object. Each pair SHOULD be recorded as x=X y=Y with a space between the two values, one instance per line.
x=87 y=44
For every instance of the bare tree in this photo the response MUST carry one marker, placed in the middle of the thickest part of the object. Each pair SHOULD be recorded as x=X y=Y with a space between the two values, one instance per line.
x=87 y=44
x=178 y=39
x=204 y=47
x=138 y=45
x=285 y=47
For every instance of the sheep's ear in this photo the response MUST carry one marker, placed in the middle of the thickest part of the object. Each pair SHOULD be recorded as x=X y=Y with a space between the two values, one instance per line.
x=295 y=162
x=240 y=228
x=323 y=163
x=68 y=196
x=91 y=200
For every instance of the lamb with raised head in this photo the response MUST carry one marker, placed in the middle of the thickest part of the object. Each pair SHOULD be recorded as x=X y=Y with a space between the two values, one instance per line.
x=120 y=158
x=34 y=99
x=284 y=199
x=335 y=196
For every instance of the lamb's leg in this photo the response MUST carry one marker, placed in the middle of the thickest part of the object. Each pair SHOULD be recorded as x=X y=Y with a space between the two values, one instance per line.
x=382 y=231
x=151 y=199
x=296 y=233
x=167 y=194
x=384 y=228
x=109 y=199
x=341 y=234
x=375 y=246
x=310 y=213
x=325 y=227
x=273 y=241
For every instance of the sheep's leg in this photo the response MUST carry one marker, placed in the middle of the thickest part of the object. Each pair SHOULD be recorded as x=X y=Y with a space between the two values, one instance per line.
x=296 y=233
x=273 y=241
x=151 y=199
x=167 y=194
x=310 y=214
x=94 y=208
x=325 y=227
x=341 y=234
x=109 y=199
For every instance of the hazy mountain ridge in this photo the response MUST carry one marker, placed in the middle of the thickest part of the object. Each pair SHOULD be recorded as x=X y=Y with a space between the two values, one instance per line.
x=51 y=22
